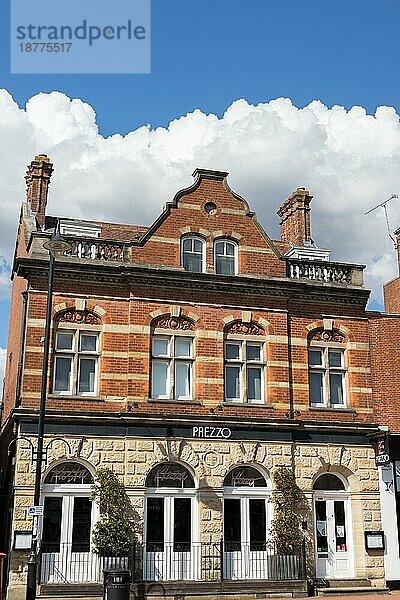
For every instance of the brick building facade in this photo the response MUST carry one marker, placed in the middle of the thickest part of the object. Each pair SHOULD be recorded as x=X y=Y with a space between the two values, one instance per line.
x=195 y=357
x=384 y=339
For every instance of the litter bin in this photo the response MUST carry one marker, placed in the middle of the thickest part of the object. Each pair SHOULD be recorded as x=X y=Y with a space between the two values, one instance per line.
x=117 y=583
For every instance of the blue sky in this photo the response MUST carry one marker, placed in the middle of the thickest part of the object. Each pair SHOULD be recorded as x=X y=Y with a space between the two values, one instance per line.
x=206 y=54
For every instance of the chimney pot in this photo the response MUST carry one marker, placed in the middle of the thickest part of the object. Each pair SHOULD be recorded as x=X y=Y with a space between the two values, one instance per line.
x=37 y=180
x=295 y=218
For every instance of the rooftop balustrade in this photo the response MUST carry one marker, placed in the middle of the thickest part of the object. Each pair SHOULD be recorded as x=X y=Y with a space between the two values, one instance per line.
x=325 y=272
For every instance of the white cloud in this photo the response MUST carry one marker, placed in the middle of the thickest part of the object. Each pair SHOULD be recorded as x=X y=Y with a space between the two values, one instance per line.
x=3 y=353
x=349 y=160
x=5 y=282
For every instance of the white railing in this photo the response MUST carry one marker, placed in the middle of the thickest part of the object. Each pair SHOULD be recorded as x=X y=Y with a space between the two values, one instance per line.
x=325 y=272
x=96 y=249
x=67 y=566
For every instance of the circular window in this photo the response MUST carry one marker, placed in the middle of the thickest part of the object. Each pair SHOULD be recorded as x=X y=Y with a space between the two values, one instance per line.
x=210 y=208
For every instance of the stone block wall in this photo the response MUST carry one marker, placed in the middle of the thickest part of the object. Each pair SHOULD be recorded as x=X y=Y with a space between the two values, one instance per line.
x=209 y=461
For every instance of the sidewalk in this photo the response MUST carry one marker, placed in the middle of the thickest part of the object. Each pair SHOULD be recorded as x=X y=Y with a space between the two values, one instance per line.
x=395 y=595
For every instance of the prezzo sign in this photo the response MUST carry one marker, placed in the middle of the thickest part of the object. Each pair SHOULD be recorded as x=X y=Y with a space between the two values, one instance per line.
x=382 y=451
x=211 y=432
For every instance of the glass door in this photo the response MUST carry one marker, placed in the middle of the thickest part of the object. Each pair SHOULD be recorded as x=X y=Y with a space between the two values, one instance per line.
x=245 y=538
x=65 y=545
x=333 y=553
x=169 y=550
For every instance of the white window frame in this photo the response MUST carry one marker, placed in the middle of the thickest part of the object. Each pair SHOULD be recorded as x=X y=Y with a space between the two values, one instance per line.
x=244 y=364
x=172 y=361
x=75 y=355
x=326 y=370
x=203 y=252
x=235 y=254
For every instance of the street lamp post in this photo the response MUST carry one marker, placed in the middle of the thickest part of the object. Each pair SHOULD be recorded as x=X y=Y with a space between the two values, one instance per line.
x=56 y=247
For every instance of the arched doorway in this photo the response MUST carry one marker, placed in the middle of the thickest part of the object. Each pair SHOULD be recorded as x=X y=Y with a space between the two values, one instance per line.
x=67 y=524
x=247 y=519
x=171 y=524
x=333 y=532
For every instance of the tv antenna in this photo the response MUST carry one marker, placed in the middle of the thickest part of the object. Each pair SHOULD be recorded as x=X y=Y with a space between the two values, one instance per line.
x=383 y=204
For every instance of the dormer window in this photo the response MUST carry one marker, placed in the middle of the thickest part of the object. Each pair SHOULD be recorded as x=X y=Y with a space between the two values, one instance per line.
x=193 y=258
x=225 y=257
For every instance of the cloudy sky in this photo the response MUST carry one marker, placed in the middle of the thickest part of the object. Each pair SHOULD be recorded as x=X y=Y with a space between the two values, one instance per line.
x=291 y=93
x=349 y=161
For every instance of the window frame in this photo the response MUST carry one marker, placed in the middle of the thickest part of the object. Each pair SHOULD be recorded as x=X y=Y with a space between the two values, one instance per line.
x=203 y=252
x=172 y=361
x=244 y=364
x=235 y=255
x=76 y=356
x=326 y=369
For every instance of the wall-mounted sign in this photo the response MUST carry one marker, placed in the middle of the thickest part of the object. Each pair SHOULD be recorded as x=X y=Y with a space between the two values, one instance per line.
x=381 y=444
x=35 y=511
x=22 y=540
x=374 y=540
x=212 y=432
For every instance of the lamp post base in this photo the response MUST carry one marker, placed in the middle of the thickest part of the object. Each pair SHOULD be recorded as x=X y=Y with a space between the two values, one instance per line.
x=31 y=578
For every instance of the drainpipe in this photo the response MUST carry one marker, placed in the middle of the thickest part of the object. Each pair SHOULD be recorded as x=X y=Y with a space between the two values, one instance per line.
x=291 y=413
x=21 y=349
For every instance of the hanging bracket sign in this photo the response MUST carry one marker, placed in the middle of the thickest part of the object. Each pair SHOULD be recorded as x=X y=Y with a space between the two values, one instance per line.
x=381 y=444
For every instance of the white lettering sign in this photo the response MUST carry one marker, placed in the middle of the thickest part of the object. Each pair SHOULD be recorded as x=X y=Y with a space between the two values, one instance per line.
x=240 y=479
x=211 y=432
x=170 y=474
x=68 y=473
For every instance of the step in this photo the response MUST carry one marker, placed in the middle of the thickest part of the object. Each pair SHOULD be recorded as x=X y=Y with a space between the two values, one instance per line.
x=62 y=591
x=75 y=597
x=341 y=590
x=350 y=583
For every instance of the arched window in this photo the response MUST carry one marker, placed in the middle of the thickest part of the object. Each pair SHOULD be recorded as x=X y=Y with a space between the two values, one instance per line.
x=68 y=514
x=76 y=354
x=171 y=523
x=245 y=477
x=329 y=482
x=71 y=473
x=225 y=257
x=332 y=526
x=247 y=520
x=169 y=475
x=245 y=363
x=172 y=358
x=327 y=369
x=193 y=255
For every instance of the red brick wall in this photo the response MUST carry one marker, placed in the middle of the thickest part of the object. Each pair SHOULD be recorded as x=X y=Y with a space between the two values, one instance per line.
x=13 y=345
x=231 y=219
x=126 y=313
x=391 y=296
x=385 y=360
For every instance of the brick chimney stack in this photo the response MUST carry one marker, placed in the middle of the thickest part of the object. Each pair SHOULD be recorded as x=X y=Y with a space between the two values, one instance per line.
x=37 y=180
x=295 y=218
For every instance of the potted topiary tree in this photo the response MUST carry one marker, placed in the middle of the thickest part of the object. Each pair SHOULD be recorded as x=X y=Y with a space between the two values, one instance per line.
x=287 y=534
x=113 y=532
